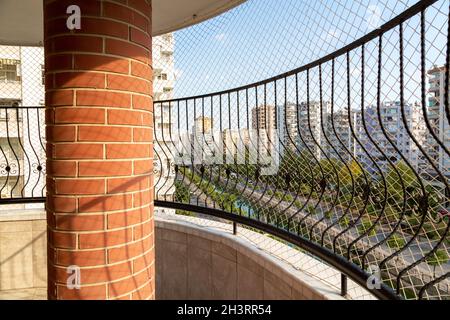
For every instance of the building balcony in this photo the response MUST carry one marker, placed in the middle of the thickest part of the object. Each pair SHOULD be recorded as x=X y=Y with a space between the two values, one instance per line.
x=270 y=273
x=237 y=171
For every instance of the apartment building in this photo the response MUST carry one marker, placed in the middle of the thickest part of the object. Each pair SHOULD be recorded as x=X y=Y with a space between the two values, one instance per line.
x=163 y=85
x=204 y=145
x=310 y=133
x=21 y=131
x=264 y=126
x=235 y=145
x=341 y=141
x=22 y=84
x=300 y=128
x=287 y=127
x=393 y=125
x=438 y=118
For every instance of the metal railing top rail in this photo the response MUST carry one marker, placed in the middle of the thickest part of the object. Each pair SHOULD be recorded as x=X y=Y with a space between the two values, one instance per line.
x=338 y=262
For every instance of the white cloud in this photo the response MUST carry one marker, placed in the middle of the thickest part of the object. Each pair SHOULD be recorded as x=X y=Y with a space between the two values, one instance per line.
x=373 y=17
x=221 y=37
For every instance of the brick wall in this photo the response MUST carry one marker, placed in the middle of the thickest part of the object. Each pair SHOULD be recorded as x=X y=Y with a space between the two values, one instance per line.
x=99 y=118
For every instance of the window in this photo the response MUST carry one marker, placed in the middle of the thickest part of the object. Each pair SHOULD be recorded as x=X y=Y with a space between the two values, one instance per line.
x=9 y=70
x=162 y=76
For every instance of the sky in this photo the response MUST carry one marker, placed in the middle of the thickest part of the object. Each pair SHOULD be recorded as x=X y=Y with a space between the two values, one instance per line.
x=263 y=38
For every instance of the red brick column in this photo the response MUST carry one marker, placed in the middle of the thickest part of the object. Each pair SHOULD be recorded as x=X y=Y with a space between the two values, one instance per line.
x=99 y=117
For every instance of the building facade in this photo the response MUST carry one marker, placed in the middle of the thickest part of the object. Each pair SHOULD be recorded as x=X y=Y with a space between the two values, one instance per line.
x=264 y=126
x=310 y=135
x=22 y=84
x=392 y=126
x=287 y=127
x=205 y=147
x=438 y=121
x=341 y=141
x=163 y=85
x=235 y=145
x=22 y=135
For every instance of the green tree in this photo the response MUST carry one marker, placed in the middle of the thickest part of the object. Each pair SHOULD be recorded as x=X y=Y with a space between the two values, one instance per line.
x=396 y=242
x=354 y=170
x=437 y=258
x=181 y=192
x=344 y=222
x=182 y=195
x=395 y=186
x=365 y=225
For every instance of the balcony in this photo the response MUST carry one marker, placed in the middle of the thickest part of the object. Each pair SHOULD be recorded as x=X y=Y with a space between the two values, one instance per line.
x=309 y=184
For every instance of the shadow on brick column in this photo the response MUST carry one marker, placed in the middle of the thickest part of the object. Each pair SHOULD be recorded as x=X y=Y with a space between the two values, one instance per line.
x=100 y=150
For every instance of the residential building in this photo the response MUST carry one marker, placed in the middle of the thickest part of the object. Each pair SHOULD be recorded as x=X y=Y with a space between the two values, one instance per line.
x=394 y=127
x=438 y=119
x=264 y=128
x=235 y=144
x=203 y=143
x=163 y=85
x=310 y=135
x=287 y=127
x=21 y=84
x=341 y=142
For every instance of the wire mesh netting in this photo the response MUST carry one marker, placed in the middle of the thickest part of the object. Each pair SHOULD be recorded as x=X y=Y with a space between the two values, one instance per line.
x=260 y=39
x=350 y=152
x=22 y=131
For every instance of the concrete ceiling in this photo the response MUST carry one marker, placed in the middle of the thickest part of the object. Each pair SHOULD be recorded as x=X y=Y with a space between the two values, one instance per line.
x=171 y=15
x=21 y=22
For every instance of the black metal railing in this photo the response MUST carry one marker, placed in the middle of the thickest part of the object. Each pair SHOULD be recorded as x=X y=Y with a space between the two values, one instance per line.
x=22 y=154
x=346 y=157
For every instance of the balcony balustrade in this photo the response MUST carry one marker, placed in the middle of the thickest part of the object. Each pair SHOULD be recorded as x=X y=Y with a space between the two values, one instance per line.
x=313 y=160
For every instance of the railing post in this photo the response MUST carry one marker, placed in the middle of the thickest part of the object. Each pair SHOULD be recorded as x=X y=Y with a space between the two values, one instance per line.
x=343 y=285
x=234 y=228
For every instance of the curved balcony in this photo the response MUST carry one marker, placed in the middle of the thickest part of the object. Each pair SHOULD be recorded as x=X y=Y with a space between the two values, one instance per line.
x=316 y=161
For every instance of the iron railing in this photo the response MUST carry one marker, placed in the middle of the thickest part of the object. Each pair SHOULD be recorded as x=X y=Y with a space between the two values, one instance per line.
x=343 y=157
x=22 y=154
x=346 y=157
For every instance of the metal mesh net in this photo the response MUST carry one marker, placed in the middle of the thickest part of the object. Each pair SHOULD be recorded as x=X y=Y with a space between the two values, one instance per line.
x=356 y=140
x=260 y=39
x=359 y=141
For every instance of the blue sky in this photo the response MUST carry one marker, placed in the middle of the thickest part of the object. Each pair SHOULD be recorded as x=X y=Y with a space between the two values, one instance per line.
x=263 y=38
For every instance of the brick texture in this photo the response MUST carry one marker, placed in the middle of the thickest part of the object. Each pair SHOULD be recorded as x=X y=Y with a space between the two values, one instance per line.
x=99 y=126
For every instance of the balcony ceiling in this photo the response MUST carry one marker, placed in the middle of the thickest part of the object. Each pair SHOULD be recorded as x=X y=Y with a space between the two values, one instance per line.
x=22 y=21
